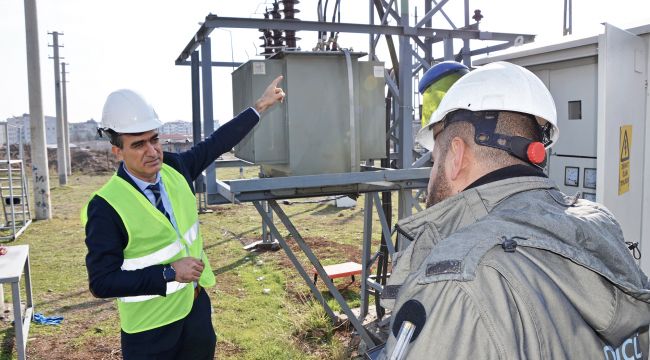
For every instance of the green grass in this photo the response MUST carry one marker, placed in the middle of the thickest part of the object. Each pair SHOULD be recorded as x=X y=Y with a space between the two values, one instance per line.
x=282 y=323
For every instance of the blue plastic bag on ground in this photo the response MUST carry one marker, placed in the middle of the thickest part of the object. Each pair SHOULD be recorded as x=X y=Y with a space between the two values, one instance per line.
x=47 y=320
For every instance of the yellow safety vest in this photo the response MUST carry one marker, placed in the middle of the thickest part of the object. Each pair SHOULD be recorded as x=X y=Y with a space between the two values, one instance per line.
x=153 y=240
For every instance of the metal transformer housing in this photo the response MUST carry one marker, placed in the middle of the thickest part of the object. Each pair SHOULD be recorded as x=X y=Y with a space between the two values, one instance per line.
x=322 y=127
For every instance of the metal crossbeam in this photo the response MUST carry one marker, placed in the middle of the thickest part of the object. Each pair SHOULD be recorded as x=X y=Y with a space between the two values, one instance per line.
x=213 y=21
x=214 y=63
x=430 y=13
x=322 y=180
x=451 y=23
x=388 y=7
x=244 y=190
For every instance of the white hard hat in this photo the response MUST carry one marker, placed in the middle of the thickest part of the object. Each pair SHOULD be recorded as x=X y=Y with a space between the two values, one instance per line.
x=499 y=86
x=127 y=112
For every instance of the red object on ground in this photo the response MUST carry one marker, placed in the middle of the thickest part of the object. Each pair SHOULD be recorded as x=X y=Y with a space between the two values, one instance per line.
x=340 y=270
x=3 y=250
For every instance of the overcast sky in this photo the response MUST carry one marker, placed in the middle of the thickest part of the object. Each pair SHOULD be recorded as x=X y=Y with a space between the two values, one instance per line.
x=112 y=44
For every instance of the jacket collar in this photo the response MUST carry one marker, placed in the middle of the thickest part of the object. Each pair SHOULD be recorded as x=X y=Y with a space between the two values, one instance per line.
x=121 y=172
x=469 y=205
x=506 y=173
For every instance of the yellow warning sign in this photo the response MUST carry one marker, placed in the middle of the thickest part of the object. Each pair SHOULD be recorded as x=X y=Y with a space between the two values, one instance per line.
x=625 y=144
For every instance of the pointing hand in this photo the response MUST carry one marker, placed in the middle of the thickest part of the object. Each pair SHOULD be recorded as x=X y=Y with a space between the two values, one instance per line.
x=272 y=95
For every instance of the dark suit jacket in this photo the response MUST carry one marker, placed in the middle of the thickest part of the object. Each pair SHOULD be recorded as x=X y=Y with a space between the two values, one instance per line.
x=106 y=235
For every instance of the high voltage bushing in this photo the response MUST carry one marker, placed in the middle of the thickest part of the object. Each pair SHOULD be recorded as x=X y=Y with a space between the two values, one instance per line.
x=277 y=34
x=290 y=11
x=266 y=38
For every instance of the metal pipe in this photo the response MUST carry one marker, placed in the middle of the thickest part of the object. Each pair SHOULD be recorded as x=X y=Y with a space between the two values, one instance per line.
x=354 y=151
x=403 y=338
x=208 y=117
x=467 y=60
x=365 y=254
x=199 y=182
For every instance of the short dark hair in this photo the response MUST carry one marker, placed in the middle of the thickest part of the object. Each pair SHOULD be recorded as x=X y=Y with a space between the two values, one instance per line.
x=114 y=137
x=508 y=123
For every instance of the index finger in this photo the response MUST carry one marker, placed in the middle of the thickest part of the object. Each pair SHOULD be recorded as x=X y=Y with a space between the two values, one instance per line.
x=276 y=81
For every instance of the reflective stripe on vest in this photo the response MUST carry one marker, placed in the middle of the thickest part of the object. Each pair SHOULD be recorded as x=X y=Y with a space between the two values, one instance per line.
x=153 y=240
x=172 y=287
x=154 y=258
x=192 y=234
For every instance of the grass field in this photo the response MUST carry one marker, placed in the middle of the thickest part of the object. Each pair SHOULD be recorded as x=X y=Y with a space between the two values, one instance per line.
x=282 y=322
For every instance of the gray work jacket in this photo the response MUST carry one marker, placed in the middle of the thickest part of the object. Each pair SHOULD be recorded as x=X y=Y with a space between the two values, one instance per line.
x=515 y=269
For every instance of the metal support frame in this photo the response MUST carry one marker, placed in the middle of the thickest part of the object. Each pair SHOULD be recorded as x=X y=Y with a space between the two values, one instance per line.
x=234 y=191
x=208 y=117
x=400 y=124
x=356 y=323
x=367 y=260
x=14 y=190
x=199 y=183
x=15 y=267
x=437 y=35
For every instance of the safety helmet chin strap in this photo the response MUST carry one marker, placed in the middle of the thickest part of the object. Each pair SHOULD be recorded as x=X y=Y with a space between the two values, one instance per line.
x=485 y=123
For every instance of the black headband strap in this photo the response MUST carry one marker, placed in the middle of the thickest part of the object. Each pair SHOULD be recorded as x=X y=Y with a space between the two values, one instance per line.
x=485 y=123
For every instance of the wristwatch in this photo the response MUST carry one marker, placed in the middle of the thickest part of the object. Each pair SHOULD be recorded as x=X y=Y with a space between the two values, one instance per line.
x=169 y=273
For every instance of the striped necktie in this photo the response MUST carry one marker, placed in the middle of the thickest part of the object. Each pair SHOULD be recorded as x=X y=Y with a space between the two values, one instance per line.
x=155 y=189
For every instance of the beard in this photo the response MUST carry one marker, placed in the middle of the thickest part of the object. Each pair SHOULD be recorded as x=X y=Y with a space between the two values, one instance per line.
x=439 y=188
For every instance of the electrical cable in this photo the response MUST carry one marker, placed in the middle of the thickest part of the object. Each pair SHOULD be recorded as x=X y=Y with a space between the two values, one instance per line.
x=325 y=11
x=319 y=10
x=337 y=8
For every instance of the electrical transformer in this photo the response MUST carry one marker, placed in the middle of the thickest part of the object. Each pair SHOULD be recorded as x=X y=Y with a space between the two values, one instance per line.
x=332 y=118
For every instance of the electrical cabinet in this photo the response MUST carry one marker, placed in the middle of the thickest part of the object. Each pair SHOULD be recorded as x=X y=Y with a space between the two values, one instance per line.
x=599 y=85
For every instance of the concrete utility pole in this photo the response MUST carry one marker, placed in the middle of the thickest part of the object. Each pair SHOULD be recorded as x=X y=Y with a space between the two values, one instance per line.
x=43 y=209
x=60 y=132
x=568 y=18
x=66 y=125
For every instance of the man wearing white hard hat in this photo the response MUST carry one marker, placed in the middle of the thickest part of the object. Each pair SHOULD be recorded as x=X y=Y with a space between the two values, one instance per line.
x=502 y=265
x=142 y=230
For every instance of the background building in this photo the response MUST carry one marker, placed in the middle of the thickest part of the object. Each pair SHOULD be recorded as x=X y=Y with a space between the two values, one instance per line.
x=178 y=127
x=22 y=122
x=85 y=131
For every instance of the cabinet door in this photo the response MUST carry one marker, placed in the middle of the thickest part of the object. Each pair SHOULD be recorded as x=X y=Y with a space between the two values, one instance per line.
x=622 y=74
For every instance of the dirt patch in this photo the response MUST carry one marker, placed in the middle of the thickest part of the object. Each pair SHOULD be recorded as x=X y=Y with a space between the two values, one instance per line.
x=226 y=348
x=87 y=161
x=323 y=249
x=228 y=283
x=92 y=162
x=83 y=334
x=104 y=348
